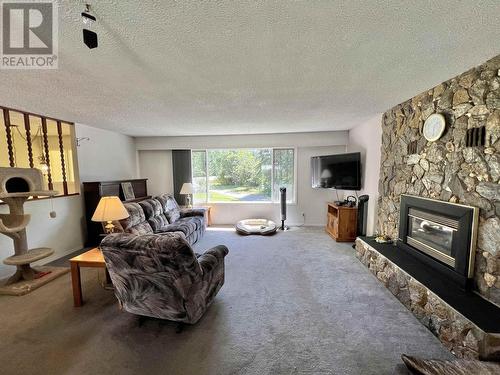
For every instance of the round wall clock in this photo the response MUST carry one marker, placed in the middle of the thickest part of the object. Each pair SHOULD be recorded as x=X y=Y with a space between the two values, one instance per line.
x=434 y=127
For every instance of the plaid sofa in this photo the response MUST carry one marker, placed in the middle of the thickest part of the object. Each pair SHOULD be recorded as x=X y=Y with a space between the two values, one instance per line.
x=160 y=276
x=162 y=214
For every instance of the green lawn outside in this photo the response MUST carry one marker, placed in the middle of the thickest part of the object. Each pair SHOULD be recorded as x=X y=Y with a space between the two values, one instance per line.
x=219 y=197
x=228 y=193
x=214 y=197
x=237 y=189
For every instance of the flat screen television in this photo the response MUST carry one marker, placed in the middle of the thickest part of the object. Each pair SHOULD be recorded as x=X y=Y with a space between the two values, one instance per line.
x=341 y=171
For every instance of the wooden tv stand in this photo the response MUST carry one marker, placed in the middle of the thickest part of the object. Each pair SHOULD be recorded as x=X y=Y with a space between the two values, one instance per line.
x=341 y=222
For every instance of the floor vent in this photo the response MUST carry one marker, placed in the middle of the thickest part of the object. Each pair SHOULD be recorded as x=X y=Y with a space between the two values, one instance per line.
x=475 y=137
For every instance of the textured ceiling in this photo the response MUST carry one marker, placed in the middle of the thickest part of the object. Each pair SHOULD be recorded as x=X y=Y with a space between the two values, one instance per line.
x=237 y=67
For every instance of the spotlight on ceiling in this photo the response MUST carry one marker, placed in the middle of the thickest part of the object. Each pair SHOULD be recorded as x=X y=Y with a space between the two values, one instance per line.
x=89 y=37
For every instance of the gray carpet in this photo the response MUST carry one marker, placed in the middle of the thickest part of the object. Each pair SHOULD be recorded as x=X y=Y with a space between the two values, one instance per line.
x=294 y=303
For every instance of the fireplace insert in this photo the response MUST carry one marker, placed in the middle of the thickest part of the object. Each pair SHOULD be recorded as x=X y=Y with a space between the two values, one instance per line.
x=440 y=234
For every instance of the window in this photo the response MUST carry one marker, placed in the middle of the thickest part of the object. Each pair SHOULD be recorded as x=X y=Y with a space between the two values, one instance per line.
x=32 y=141
x=284 y=173
x=243 y=175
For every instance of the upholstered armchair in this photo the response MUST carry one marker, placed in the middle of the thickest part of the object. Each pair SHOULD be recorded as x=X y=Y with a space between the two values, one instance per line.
x=160 y=276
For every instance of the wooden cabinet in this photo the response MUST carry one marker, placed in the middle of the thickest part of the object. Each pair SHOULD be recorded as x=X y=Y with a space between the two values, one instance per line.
x=341 y=222
x=93 y=191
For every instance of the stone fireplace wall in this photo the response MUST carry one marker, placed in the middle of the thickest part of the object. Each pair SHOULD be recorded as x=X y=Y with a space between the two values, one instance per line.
x=446 y=169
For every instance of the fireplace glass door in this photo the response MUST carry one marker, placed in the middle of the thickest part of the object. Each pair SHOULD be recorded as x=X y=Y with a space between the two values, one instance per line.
x=432 y=234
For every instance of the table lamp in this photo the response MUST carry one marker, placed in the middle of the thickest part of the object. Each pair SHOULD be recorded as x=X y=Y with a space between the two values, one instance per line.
x=108 y=210
x=325 y=176
x=187 y=190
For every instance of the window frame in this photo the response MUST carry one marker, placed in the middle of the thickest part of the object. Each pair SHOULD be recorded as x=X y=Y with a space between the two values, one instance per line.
x=293 y=201
x=5 y=112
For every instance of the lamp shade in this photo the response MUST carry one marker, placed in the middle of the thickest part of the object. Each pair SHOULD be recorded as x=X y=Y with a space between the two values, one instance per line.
x=326 y=173
x=187 y=188
x=110 y=209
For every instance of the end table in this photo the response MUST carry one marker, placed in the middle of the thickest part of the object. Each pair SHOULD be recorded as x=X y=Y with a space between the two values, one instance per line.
x=92 y=258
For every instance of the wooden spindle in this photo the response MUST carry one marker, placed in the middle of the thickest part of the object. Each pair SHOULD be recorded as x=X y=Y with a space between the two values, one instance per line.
x=61 y=150
x=10 y=147
x=47 y=157
x=28 y=139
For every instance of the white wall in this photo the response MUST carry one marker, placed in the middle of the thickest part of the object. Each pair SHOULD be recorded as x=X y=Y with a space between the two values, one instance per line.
x=155 y=164
x=64 y=233
x=312 y=139
x=366 y=138
x=106 y=156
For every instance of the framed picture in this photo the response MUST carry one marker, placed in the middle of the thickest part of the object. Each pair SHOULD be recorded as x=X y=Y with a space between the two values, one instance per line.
x=128 y=191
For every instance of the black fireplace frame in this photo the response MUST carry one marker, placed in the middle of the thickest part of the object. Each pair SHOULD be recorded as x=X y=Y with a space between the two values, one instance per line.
x=464 y=244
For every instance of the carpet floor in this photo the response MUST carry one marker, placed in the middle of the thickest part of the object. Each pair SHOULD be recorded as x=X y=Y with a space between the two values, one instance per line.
x=293 y=303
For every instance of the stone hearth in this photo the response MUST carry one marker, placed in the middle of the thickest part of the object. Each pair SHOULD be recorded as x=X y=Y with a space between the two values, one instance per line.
x=447 y=170
x=459 y=334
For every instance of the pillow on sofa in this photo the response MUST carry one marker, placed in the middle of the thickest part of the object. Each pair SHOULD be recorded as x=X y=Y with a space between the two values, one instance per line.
x=136 y=223
x=455 y=367
x=170 y=207
x=154 y=213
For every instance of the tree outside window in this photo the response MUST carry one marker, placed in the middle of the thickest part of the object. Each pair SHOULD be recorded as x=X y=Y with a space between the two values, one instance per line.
x=242 y=175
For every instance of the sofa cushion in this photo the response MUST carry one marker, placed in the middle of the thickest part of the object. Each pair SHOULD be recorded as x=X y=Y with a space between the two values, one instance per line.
x=153 y=212
x=186 y=212
x=198 y=221
x=136 y=223
x=170 y=207
x=186 y=228
x=141 y=229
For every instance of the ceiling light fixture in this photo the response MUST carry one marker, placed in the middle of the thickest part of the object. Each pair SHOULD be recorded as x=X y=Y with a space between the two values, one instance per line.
x=89 y=37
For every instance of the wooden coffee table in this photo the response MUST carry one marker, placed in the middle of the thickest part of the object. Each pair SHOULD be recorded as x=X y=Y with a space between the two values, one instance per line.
x=91 y=258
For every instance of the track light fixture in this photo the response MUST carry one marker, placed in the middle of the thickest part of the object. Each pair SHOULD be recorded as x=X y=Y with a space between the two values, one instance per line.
x=89 y=37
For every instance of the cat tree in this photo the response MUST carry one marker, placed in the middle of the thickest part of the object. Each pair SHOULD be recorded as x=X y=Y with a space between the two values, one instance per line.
x=16 y=186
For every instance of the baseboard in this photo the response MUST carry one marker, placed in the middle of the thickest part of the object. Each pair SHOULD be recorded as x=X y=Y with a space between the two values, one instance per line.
x=57 y=256
x=279 y=224
x=7 y=271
